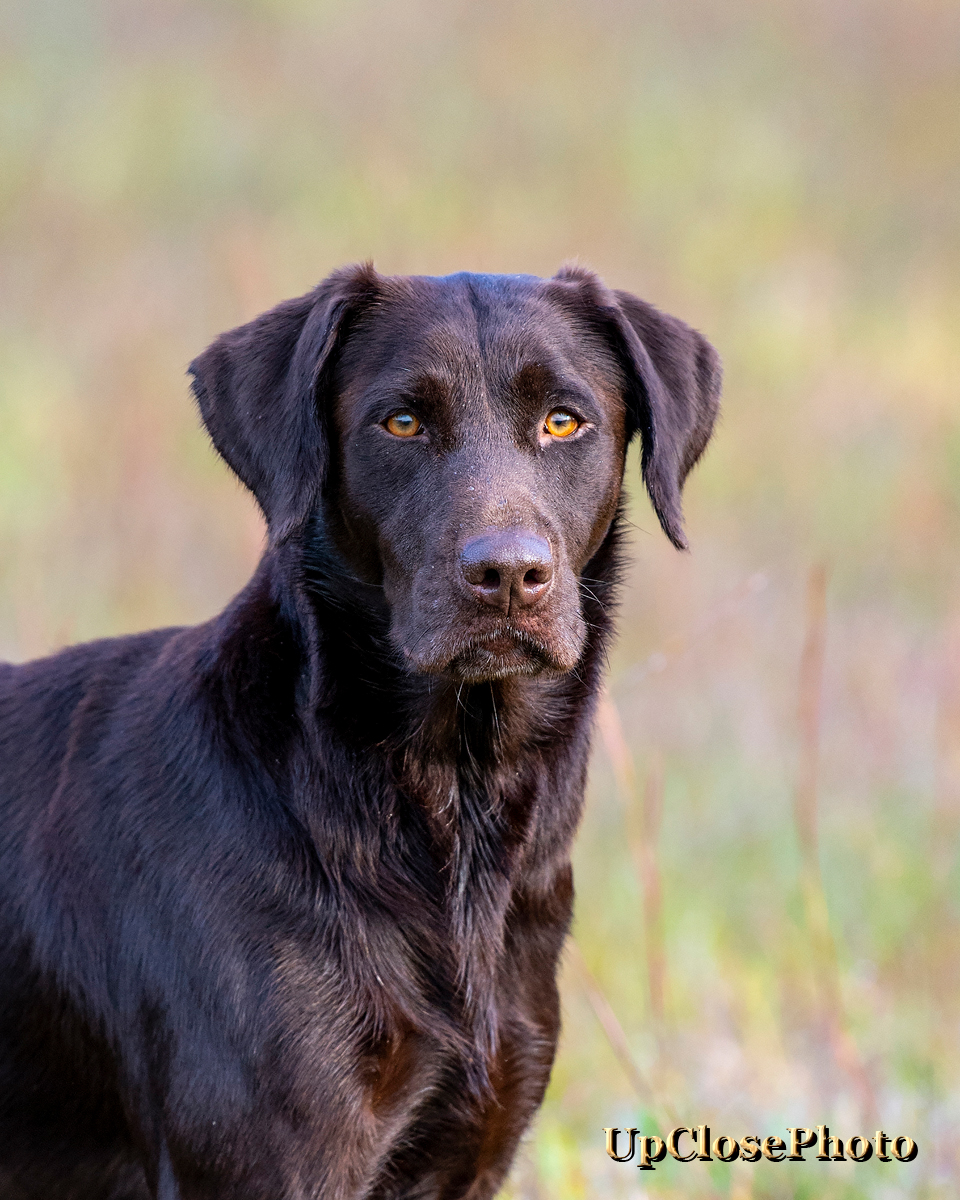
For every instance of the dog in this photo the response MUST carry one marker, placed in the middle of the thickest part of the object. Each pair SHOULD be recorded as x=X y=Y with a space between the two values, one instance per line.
x=282 y=895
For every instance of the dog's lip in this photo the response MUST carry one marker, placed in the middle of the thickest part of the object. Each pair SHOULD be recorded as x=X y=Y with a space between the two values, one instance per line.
x=492 y=636
x=507 y=638
x=506 y=649
x=497 y=655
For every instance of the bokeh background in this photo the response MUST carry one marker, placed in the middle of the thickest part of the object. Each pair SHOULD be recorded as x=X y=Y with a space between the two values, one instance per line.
x=768 y=926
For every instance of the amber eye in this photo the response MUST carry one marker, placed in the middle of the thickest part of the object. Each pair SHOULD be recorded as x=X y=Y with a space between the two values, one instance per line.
x=561 y=424
x=402 y=425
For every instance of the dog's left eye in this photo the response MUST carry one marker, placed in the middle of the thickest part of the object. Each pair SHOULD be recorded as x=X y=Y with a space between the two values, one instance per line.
x=560 y=423
x=403 y=424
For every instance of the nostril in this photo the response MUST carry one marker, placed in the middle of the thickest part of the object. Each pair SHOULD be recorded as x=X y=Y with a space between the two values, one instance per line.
x=507 y=568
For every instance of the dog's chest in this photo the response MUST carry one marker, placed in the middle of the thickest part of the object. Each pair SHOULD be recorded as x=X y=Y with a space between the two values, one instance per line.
x=399 y=963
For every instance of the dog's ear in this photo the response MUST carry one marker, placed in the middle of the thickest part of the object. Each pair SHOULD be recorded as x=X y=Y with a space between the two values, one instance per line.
x=261 y=388
x=672 y=379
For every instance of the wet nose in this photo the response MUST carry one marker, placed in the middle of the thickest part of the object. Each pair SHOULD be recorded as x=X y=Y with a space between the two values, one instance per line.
x=507 y=568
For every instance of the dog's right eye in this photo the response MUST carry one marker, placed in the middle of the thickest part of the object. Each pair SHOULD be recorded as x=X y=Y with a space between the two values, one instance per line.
x=403 y=425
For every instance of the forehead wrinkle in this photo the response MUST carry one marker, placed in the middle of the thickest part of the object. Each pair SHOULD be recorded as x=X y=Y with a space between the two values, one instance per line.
x=436 y=364
x=447 y=353
x=441 y=343
x=404 y=385
x=454 y=349
x=524 y=367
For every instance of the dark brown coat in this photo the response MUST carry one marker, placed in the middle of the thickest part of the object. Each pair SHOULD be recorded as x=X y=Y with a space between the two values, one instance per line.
x=282 y=895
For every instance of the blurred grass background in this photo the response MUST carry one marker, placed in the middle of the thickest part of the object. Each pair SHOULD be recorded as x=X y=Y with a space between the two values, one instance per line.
x=768 y=921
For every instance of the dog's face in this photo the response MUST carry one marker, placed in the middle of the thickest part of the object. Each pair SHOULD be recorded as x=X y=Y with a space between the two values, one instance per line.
x=464 y=439
x=480 y=440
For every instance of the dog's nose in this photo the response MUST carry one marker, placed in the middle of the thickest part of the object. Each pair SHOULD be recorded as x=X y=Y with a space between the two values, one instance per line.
x=507 y=568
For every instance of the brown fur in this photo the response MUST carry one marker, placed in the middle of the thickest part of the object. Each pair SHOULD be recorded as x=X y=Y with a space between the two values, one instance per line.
x=282 y=896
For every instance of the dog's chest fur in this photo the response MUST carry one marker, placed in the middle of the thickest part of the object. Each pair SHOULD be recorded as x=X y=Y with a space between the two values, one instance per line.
x=439 y=817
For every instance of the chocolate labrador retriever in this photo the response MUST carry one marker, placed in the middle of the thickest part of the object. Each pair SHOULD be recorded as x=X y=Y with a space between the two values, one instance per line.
x=282 y=895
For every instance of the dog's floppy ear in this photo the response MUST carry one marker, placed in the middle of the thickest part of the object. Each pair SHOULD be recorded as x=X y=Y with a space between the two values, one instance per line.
x=672 y=381
x=260 y=391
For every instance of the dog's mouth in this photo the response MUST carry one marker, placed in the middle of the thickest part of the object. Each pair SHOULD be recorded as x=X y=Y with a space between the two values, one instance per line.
x=494 y=654
x=499 y=655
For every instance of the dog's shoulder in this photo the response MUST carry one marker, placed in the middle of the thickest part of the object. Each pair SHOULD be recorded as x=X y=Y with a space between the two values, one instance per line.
x=48 y=703
x=45 y=687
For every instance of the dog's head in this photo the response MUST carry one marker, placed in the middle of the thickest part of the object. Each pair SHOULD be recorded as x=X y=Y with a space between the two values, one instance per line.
x=463 y=441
